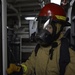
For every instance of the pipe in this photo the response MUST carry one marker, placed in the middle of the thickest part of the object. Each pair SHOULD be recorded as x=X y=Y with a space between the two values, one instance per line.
x=69 y=10
x=10 y=6
x=64 y=2
x=25 y=14
x=19 y=18
x=4 y=36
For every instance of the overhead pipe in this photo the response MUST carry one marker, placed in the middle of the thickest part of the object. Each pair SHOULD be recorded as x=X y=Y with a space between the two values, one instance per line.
x=11 y=7
x=42 y=3
x=17 y=13
x=28 y=4
x=25 y=14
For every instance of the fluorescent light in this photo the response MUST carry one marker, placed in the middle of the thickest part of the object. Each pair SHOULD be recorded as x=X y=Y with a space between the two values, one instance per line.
x=56 y=1
x=30 y=18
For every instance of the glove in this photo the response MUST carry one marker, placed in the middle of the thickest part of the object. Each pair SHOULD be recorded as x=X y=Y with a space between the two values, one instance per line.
x=13 y=68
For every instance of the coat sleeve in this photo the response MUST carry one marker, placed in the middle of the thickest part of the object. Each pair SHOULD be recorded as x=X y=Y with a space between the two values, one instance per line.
x=30 y=64
x=70 y=69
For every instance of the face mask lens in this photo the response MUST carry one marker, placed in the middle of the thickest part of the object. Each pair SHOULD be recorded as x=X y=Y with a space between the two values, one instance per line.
x=43 y=24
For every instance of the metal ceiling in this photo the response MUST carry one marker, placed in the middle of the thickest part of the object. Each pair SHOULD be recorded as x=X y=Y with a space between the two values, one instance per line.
x=18 y=9
x=24 y=7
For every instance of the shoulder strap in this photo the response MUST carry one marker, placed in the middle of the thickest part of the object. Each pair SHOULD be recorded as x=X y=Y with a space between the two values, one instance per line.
x=64 y=55
x=36 y=49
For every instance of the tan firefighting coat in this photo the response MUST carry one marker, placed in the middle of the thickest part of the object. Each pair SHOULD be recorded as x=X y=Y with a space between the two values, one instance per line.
x=42 y=65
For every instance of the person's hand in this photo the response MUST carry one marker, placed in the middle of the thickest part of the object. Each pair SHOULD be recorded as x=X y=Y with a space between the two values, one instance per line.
x=13 y=68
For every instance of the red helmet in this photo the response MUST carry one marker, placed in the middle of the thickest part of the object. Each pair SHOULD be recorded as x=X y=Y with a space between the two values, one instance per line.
x=54 y=10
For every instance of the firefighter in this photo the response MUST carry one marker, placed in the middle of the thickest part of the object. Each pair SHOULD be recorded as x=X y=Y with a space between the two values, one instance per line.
x=44 y=60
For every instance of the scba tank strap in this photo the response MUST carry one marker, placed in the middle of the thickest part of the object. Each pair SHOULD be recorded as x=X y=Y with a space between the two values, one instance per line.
x=54 y=45
x=36 y=49
x=64 y=55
